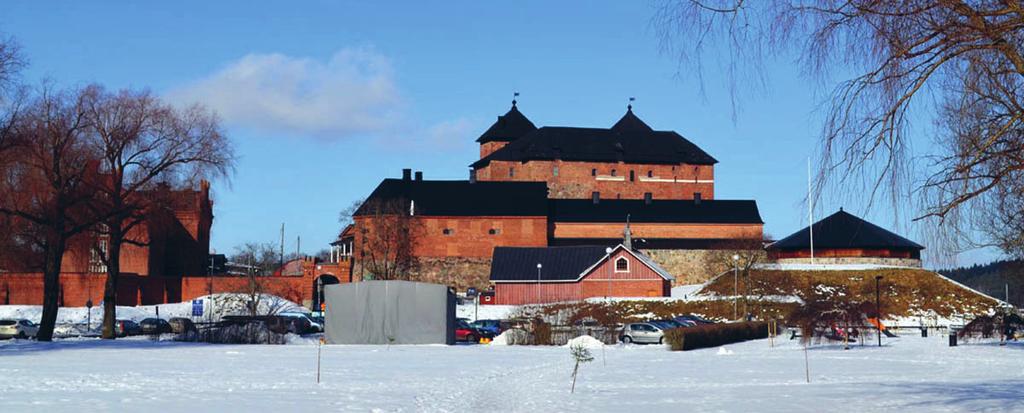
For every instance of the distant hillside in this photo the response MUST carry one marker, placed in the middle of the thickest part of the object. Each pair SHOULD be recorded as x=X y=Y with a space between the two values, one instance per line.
x=993 y=278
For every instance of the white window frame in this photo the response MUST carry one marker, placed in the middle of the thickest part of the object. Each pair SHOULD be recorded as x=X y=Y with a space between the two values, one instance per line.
x=616 y=263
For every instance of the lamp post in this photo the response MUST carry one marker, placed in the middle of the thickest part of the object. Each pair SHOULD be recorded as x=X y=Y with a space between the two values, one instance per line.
x=735 y=282
x=878 y=311
x=607 y=251
x=538 y=282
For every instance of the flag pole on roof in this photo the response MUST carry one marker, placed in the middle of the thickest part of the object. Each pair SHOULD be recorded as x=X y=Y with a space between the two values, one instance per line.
x=515 y=95
x=629 y=106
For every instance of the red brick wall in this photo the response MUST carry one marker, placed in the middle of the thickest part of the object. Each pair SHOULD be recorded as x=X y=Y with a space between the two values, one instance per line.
x=575 y=179
x=468 y=236
x=843 y=252
x=489 y=148
x=471 y=237
x=77 y=288
x=645 y=230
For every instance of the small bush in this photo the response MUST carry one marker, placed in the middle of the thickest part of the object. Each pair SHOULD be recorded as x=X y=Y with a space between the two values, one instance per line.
x=713 y=335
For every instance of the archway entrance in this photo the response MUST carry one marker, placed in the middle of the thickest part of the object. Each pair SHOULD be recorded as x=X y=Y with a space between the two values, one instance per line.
x=318 y=295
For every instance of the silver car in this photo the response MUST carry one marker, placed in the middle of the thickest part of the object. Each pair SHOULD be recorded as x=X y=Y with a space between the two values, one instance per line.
x=18 y=328
x=642 y=333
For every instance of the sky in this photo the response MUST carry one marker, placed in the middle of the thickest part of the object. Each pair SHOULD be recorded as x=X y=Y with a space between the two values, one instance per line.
x=323 y=99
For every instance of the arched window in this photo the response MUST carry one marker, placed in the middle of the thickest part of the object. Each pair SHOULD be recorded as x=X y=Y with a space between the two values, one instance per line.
x=622 y=265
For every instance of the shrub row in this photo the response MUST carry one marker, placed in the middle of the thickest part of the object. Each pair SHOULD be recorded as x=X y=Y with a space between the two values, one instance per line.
x=713 y=335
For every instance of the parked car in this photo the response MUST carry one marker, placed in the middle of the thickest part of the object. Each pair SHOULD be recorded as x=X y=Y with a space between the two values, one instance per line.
x=667 y=324
x=466 y=332
x=181 y=325
x=490 y=326
x=642 y=333
x=20 y=328
x=693 y=319
x=283 y=324
x=314 y=326
x=124 y=328
x=154 y=325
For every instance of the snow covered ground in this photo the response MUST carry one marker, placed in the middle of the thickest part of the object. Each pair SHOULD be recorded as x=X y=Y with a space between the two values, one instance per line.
x=909 y=374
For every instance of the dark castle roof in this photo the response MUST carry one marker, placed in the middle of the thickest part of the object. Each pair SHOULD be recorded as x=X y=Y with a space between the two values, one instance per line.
x=558 y=263
x=630 y=140
x=508 y=127
x=658 y=211
x=461 y=198
x=505 y=198
x=844 y=230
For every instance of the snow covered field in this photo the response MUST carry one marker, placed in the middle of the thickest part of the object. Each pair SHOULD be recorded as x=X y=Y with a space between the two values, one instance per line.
x=910 y=374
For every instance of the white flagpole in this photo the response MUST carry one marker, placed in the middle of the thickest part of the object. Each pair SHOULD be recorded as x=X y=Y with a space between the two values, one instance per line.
x=810 y=208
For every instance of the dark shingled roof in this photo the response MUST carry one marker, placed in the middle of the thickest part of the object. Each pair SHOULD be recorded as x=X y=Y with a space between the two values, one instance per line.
x=844 y=230
x=462 y=198
x=508 y=127
x=558 y=263
x=630 y=140
x=663 y=211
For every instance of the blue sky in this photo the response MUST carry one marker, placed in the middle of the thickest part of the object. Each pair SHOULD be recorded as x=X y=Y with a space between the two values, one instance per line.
x=324 y=99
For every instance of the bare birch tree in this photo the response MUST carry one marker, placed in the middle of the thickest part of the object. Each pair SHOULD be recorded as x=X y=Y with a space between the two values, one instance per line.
x=959 y=63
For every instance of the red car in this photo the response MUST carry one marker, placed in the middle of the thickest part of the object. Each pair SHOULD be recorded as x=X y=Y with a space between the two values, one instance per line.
x=465 y=332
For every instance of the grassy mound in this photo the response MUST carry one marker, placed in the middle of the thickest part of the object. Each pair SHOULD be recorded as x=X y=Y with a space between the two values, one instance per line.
x=904 y=291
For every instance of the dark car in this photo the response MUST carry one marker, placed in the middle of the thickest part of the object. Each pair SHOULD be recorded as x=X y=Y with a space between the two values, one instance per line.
x=667 y=324
x=693 y=320
x=181 y=325
x=125 y=328
x=489 y=326
x=155 y=326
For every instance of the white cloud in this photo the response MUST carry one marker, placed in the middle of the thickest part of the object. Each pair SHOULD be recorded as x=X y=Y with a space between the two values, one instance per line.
x=354 y=92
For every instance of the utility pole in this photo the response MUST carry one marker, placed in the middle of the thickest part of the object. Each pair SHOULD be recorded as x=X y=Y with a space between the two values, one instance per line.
x=282 y=246
x=735 y=283
x=878 y=311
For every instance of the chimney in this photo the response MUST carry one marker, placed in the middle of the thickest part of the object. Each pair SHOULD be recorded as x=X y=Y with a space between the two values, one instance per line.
x=696 y=198
x=596 y=197
x=406 y=174
x=647 y=198
x=419 y=175
x=472 y=176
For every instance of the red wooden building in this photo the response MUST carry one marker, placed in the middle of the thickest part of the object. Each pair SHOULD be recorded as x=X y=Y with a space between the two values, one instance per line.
x=553 y=274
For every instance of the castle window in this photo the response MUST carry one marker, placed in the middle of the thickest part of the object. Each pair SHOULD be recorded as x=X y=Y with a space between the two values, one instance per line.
x=632 y=176
x=554 y=171
x=96 y=264
x=494 y=231
x=511 y=172
x=650 y=174
x=593 y=172
x=448 y=231
x=613 y=172
x=622 y=265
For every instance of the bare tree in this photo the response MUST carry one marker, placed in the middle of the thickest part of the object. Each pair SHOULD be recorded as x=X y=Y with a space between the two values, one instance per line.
x=385 y=236
x=959 y=62
x=143 y=142
x=262 y=258
x=44 y=186
x=741 y=258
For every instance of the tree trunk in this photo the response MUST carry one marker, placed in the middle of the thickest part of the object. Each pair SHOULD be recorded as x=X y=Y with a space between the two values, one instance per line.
x=114 y=242
x=54 y=253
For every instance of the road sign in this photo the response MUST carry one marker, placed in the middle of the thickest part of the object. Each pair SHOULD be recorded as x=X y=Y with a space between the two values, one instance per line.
x=197 y=308
x=471 y=291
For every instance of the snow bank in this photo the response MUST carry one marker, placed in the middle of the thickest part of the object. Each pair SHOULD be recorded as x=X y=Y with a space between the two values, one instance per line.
x=220 y=304
x=500 y=339
x=585 y=341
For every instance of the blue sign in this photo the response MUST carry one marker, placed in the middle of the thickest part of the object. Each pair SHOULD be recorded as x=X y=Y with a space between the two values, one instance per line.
x=197 y=308
x=471 y=291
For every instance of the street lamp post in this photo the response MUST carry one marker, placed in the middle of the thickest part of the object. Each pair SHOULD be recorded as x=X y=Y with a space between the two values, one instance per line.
x=878 y=311
x=538 y=282
x=735 y=282
x=608 y=294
